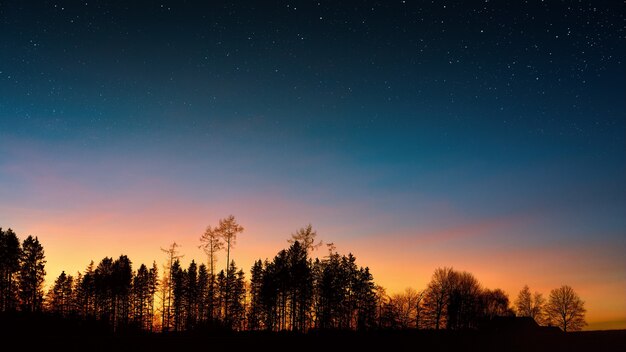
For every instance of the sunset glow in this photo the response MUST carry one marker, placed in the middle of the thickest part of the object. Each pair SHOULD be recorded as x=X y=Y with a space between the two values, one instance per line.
x=412 y=146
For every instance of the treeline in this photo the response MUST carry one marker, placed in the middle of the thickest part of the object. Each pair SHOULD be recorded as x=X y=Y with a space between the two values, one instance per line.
x=291 y=292
x=456 y=300
x=22 y=273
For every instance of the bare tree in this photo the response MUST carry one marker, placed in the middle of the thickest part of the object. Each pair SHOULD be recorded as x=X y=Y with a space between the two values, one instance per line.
x=228 y=230
x=463 y=301
x=495 y=303
x=211 y=243
x=306 y=237
x=172 y=256
x=437 y=296
x=566 y=309
x=530 y=305
x=406 y=308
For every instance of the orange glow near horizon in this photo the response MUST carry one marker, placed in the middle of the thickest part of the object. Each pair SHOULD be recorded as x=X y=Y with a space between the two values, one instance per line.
x=397 y=260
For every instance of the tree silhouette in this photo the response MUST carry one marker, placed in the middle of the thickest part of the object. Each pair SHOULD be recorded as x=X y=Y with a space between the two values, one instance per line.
x=140 y=293
x=191 y=296
x=401 y=309
x=203 y=285
x=331 y=292
x=566 y=309
x=437 y=297
x=383 y=313
x=143 y=297
x=178 y=276
x=60 y=296
x=211 y=243
x=122 y=283
x=103 y=283
x=292 y=292
x=365 y=300
x=86 y=293
x=300 y=286
x=345 y=295
x=166 y=286
x=306 y=237
x=463 y=301
x=495 y=303
x=10 y=252
x=255 y=310
x=31 y=275
x=269 y=295
x=530 y=305
x=228 y=229
x=235 y=294
x=153 y=285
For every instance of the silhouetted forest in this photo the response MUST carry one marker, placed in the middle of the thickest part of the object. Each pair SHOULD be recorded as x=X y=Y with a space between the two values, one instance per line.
x=292 y=292
x=318 y=302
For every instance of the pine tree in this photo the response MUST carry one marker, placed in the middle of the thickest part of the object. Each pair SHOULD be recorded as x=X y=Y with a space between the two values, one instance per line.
x=10 y=253
x=86 y=293
x=103 y=286
x=61 y=295
x=178 y=295
x=153 y=285
x=31 y=275
x=191 y=296
x=203 y=285
x=300 y=286
x=255 y=311
x=141 y=293
x=122 y=283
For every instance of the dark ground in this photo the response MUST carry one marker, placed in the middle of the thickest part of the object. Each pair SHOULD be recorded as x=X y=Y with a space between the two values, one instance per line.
x=26 y=334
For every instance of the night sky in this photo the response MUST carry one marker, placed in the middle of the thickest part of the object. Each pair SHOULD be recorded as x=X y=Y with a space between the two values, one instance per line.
x=488 y=135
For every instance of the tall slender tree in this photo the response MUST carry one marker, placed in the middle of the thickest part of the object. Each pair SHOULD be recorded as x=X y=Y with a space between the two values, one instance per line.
x=178 y=295
x=153 y=285
x=255 y=311
x=166 y=285
x=103 y=284
x=32 y=274
x=211 y=243
x=86 y=293
x=300 y=286
x=191 y=296
x=141 y=296
x=121 y=289
x=234 y=297
x=228 y=230
x=366 y=300
x=10 y=253
x=203 y=285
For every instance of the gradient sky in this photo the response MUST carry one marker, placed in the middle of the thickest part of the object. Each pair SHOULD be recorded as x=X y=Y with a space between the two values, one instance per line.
x=488 y=136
